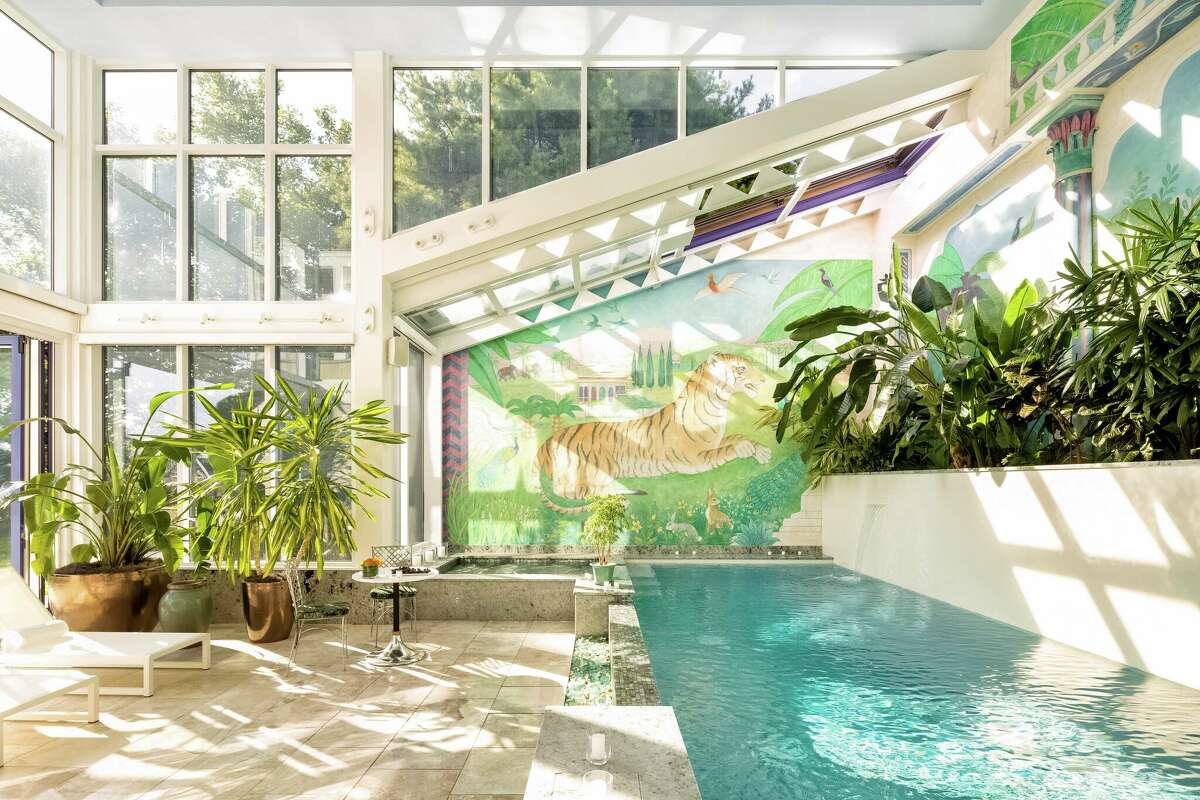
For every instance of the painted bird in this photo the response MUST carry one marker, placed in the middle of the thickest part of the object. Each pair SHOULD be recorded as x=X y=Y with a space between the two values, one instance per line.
x=827 y=282
x=594 y=322
x=724 y=287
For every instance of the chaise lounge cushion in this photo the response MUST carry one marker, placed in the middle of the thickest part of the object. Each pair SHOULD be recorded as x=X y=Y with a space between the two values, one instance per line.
x=34 y=637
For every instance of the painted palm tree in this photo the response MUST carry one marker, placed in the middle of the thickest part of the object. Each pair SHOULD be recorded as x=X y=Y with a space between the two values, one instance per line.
x=529 y=407
x=557 y=409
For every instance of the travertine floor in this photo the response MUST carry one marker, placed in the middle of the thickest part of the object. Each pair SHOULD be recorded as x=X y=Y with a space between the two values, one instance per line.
x=461 y=725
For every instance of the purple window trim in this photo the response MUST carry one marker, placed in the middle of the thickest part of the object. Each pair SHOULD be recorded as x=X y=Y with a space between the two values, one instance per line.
x=894 y=174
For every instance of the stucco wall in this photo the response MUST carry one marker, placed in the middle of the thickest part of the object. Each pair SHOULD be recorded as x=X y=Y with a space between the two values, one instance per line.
x=1103 y=558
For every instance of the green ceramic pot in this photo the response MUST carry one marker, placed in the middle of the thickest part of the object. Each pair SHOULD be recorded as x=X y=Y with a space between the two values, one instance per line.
x=187 y=607
x=602 y=573
x=370 y=572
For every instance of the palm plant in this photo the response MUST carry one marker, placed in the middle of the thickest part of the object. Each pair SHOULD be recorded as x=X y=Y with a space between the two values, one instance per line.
x=1139 y=378
x=124 y=511
x=322 y=474
x=232 y=465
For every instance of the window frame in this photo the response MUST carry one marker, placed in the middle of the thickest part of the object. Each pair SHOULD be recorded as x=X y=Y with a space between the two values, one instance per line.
x=62 y=282
x=779 y=63
x=183 y=150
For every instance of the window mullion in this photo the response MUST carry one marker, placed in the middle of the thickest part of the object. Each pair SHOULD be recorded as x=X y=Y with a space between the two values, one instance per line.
x=681 y=101
x=485 y=177
x=583 y=116
x=270 y=198
x=183 y=189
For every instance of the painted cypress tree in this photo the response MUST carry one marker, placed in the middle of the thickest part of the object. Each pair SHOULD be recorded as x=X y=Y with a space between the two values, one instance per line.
x=664 y=374
x=648 y=368
x=633 y=369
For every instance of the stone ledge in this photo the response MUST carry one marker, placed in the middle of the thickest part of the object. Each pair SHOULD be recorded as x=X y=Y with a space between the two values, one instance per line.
x=632 y=678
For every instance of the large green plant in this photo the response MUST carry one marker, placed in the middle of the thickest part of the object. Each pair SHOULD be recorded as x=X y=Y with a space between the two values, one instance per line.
x=286 y=472
x=939 y=380
x=323 y=473
x=231 y=480
x=123 y=511
x=1138 y=380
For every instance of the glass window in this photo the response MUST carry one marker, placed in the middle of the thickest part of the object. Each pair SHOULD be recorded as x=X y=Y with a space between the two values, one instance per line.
x=227 y=107
x=313 y=216
x=26 y=170
x=412 y=492
x=313 y=106
x=317 y=367
x=437 y=143
x=806 y=81
x=227 y=228
x=133 y=375
x=26 y=70
x=139 y=107
x=139 y=228
x=535 y=287
x=717 y=95
x=630 y=110
x=209 y=366
x=535 y=127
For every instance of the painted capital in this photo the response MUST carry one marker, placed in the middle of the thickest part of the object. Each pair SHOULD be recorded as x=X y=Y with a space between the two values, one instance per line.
x=1071 y=127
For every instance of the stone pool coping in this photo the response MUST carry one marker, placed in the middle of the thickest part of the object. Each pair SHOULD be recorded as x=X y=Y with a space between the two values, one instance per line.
x=632 y=677
x=649 y=758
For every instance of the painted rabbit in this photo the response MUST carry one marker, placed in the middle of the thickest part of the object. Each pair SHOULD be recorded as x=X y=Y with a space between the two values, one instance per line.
x=686 y=531
x=713 y=515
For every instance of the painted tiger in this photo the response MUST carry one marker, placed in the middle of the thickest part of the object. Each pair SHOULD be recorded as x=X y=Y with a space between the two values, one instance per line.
x=687 y=436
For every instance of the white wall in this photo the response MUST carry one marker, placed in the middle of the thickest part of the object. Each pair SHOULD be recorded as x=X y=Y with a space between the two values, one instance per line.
x=1103 y=558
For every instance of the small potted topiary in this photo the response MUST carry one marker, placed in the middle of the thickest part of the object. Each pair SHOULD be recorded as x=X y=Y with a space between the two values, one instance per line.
x=602 y=529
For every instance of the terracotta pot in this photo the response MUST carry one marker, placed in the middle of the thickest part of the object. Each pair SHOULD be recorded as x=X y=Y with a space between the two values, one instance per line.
x=109 y=601
x=267 y=609
x=187 y=607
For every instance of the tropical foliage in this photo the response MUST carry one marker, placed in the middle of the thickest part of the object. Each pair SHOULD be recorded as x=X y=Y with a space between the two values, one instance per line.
x=955 y=380
x=285 y=474
x=122 y=511
x=605 y=524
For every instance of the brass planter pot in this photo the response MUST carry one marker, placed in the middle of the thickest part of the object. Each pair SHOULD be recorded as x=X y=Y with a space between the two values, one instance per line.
x=109 y=601
x=267 y=609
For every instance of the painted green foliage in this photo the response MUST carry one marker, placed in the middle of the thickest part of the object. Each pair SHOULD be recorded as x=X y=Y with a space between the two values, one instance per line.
x=1055 y=24
x=833 y=282
x=627 y=359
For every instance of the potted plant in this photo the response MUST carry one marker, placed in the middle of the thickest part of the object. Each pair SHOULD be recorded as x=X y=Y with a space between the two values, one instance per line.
x=602 y=529
x=370 y=567
x=124 y=514
x=231 y=460
x=187 y=607
x=284 y=475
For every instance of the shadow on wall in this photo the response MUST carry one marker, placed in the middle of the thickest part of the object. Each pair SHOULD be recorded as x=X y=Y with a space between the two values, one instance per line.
x=1103 y=558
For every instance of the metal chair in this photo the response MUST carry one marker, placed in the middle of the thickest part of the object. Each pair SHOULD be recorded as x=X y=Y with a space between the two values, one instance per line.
x=391 y=556
x=311 y=611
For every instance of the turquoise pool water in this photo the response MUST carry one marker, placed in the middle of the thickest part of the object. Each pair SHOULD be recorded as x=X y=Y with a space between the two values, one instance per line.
x=813 y=683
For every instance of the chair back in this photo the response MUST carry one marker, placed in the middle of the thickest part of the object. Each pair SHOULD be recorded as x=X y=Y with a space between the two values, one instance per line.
x=392 y=555
x=295 y=580
x=19 y=607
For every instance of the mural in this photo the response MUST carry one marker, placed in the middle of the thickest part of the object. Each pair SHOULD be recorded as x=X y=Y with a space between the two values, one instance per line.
x=1052 y=27
x=1015 y=235
x=655 y=395
x=1158 y=159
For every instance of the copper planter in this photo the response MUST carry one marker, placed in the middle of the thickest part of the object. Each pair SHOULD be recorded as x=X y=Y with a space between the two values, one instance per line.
x=109 y=601
x=267 y=609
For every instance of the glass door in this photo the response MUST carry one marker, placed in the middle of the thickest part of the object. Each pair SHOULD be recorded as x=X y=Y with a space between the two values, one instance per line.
x=12 y=449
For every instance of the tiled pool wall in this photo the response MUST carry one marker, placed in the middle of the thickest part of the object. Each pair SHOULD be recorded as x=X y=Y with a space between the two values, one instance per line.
x=802 y=552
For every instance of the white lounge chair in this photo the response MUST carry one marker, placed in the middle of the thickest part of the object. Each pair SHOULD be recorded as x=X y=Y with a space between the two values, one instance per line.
x=20 y=692
x=96 y=650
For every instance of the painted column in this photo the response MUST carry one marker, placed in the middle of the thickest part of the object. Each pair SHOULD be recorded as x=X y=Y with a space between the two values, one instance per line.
x=1071 y=128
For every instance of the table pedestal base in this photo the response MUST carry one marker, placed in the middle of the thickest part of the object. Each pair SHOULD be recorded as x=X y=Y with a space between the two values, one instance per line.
x=398 y=654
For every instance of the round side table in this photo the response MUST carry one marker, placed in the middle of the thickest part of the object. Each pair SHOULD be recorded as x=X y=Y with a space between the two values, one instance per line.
x=397 y=653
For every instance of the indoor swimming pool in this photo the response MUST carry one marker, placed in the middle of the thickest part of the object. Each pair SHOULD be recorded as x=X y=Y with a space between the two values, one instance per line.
x=813 y=683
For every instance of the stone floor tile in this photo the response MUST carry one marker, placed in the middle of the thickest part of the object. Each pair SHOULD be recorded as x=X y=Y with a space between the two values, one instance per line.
x=495 y=771
x=509 y=730
x=527 y=699
x=404 y=784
